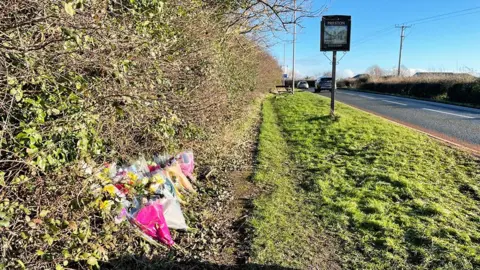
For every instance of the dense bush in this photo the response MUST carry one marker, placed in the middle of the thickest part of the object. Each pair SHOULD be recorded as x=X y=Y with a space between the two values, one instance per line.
x=450 y=90
x=466 y=93
x=353 y=82
x=86 y=81
x=342 y=84
x=390 y=88
x=429 y=90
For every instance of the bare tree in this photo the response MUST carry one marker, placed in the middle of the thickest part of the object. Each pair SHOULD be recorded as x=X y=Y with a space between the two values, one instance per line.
x=376 y=71
x=468 y=70
x=327 y=74
x=264 y=19
x=405 y=71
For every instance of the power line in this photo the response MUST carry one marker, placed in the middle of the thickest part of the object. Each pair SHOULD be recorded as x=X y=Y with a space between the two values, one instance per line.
x=409 y=32
x=356 y=44
x=442 y=18
x=440 y=15
x=419 y=21
x=374 y=34
x=457 y=15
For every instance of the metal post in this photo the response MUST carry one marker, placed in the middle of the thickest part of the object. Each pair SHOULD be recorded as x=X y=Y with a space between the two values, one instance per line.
x=334 y=85
x=284 y=66
x=294 y=38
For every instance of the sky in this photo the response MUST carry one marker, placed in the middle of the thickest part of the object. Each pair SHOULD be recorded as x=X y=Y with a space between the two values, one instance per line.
x=449 y=43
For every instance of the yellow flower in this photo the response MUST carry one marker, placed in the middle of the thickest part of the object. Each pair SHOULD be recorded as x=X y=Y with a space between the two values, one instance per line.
x=145 y=181
x=132 y=176
x=154 y=187
x=103 y=178
x=106 y=205
x=157 y=178
x=110 y=189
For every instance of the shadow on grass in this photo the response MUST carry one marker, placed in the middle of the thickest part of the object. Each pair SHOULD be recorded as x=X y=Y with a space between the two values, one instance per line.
x=325 y=119
x=140 y=263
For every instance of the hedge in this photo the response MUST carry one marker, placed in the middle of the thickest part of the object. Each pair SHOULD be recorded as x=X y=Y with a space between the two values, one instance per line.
x=465 y=93
x=84 y=82
x=444 y=90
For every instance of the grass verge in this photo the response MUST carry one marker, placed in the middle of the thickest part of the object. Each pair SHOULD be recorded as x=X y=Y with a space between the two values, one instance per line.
x=286 y=232
x=394 y=198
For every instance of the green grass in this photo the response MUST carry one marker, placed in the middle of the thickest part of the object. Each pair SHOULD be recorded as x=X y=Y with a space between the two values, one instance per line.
x=283 y=221
x=394 y=198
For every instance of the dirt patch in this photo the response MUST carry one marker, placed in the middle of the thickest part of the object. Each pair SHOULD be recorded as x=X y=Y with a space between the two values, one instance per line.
x=233 y=219
x=226 y=201
x=241 y=210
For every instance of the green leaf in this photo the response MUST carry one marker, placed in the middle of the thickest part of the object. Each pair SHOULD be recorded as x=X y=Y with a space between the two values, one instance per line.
x=31 y=151
x=11 y=80
x=55 y=111
x=19 y=179
x=22 y=265
x=4 y=223
x=58 y=267
x=92 y=261
x=48 y=239
x=51 y=160
x=69 y=9
x=66 y=254
x=40 y=252
x=44 y=213
x=17 y=93
x=41 y=163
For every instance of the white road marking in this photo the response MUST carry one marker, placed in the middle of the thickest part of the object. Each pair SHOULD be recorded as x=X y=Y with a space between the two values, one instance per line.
x=366 y=97
x=398 y=103
x=464 y=116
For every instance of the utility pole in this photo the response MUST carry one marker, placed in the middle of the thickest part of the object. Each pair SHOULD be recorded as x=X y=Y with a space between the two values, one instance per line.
x=294 y=39
x=402 y=37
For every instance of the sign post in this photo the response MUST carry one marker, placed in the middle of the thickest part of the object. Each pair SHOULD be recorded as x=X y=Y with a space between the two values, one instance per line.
x=334 y=83
x=335 y=36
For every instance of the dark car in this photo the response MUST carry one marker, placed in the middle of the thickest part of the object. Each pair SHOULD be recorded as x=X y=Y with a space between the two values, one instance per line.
x=323 y=83
x=302 y=85
x=361 y=77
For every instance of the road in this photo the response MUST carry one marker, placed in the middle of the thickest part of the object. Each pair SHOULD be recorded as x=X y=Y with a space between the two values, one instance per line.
x=454 y=123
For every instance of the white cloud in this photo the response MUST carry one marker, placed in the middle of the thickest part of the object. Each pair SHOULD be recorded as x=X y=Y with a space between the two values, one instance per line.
x=298 y=74
x=346 y=73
